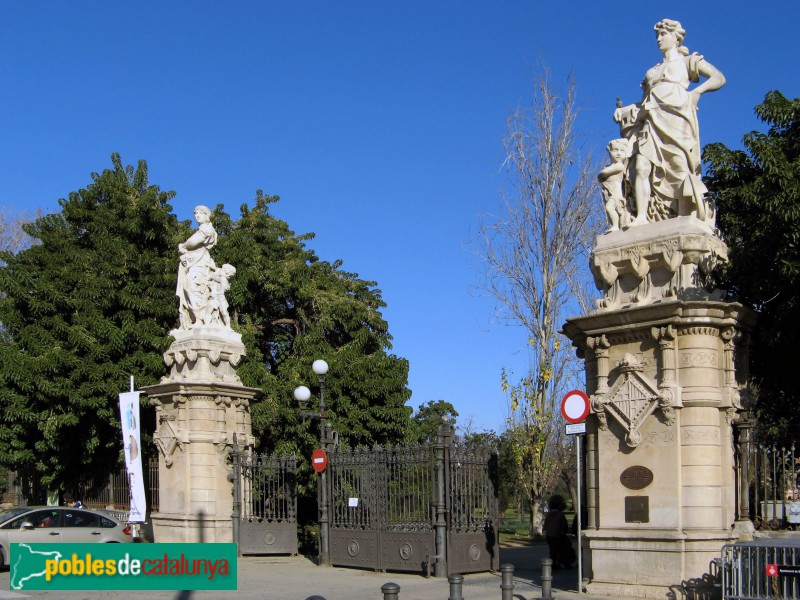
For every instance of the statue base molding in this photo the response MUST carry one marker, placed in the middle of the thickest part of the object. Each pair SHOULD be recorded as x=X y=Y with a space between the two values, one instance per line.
x=649 y=563
x=198 y=528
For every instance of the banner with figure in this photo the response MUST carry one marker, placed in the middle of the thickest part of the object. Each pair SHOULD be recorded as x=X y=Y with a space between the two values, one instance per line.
x=131 y=440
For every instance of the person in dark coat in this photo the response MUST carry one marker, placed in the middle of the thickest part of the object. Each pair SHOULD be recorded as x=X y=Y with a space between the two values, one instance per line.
x=555 y=530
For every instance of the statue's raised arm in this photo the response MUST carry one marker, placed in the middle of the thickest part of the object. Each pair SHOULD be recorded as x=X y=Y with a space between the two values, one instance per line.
x=663 y=133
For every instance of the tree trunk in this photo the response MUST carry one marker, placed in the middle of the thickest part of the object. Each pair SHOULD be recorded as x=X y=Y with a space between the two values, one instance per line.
x=537 y=516
x=573 y=493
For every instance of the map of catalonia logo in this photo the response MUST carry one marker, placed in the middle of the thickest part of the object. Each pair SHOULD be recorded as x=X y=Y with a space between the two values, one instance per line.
x=123 y=566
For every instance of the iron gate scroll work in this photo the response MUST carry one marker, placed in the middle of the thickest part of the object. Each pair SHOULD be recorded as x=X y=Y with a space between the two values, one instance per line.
x=385 y=508
x=265 y=503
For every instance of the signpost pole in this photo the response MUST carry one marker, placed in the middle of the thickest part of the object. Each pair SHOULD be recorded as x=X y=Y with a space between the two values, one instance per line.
x=575 y=408
x=578 y=513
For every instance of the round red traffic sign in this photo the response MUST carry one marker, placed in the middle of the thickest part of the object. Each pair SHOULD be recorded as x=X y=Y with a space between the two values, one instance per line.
x=319 y=460
x=575 y=406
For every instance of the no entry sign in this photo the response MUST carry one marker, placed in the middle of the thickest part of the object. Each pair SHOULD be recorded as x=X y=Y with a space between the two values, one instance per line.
x=319 y=460
x=575 y=406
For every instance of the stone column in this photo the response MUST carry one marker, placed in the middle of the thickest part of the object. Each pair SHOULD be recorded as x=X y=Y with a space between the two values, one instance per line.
x=199 y=407
x=597 y=368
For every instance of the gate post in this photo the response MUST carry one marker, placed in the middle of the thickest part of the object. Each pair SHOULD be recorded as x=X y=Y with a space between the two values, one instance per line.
x=442 y=440
x=744 y=525
x=324 y=514
x=236 y=480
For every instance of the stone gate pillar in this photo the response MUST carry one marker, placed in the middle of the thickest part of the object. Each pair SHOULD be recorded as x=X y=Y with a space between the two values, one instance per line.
x=199 y=407
x=666 y=365
x=665 y=376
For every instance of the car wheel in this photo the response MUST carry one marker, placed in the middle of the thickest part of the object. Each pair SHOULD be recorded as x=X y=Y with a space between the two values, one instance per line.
x=2 y=557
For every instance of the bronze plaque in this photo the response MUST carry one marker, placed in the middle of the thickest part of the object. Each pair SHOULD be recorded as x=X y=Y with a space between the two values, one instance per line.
x=637 y=509
x=636 y=477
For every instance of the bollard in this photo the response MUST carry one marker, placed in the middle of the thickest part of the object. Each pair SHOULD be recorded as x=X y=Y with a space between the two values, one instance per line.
x=391 y=591
x=456 y=582
x=547 y=578
x=507 y=581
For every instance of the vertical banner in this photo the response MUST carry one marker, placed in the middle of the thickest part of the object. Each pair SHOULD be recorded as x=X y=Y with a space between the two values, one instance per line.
x=131 y=440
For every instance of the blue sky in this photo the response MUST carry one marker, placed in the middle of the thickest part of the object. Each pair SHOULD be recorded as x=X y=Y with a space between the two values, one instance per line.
x=378 y=123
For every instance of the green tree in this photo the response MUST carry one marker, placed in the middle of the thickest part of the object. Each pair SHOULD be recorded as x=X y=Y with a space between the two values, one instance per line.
x=94 y=302
x=83 y=309
x=428 y=418
x=757 y=194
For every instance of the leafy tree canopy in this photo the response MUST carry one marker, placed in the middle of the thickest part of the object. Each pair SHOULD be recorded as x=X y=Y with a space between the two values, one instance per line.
x=84 y=309
x=93 y=303
x=429 y=417
x=757 y=193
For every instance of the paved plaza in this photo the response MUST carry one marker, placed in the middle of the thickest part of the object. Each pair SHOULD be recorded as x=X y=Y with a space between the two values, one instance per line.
x=298 y=578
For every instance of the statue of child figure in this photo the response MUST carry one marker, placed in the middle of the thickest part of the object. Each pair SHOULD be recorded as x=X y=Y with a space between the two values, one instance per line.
x=612 y=180
x=220 y=283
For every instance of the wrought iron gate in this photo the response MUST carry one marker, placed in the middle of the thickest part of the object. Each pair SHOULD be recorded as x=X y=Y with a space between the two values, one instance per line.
x=381 y=508
x=265 y=503
x=472 y=509
x=409 y=508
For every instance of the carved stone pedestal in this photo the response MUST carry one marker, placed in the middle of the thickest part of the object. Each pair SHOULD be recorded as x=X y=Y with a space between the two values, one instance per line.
x=662 y=261
x=664 y=384
x=199 y=406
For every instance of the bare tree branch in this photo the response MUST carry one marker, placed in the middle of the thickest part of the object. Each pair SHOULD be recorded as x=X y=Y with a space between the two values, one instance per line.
x=534 y=251
x=13 y=237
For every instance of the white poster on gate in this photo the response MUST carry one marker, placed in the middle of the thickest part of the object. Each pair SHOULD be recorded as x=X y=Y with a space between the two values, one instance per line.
x=131 y=440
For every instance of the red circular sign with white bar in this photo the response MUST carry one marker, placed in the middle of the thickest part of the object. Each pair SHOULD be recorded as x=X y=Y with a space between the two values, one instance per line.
x=575 y=406
x=319 y=460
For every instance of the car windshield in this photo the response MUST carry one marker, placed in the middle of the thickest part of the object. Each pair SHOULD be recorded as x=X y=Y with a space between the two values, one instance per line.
x=12 y=512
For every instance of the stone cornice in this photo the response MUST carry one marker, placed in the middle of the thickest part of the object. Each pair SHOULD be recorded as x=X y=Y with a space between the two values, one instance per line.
x=189 y=389
x=635 y=323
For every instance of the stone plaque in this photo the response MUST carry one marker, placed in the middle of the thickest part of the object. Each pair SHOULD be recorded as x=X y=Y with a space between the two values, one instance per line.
x=637 y=509
x=636 y=477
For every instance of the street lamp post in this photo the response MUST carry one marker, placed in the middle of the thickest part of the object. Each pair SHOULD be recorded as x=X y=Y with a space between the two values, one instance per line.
x=303 y=394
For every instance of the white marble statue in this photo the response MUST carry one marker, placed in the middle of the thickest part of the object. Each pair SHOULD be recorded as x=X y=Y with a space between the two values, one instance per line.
x=201 y=285
x=220 y=283
x=612 y=182
x=663 y=135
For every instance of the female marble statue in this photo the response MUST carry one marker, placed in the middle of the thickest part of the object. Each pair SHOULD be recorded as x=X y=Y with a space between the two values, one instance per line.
x=663 y=131
x=195 y=272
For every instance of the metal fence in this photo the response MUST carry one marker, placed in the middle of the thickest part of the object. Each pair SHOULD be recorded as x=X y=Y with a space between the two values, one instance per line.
x=776 y=492
x=110 y=492
x=752 y=570
x=767 y=481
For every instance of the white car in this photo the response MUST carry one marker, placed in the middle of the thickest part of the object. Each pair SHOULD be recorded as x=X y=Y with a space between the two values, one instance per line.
x=49 y=524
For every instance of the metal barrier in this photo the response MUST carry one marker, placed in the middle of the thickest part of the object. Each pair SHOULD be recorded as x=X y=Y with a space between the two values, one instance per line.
x=747 y=568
